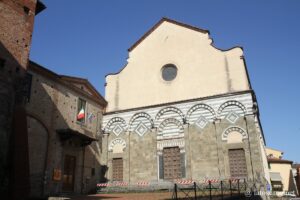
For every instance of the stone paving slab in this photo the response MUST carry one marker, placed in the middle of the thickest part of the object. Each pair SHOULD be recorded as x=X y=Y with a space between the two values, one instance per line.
x=127 y=196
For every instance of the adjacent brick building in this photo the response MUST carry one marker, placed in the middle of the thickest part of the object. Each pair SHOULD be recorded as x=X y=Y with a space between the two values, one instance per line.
x=16 y=26
x=296 y=167
x=64 y=150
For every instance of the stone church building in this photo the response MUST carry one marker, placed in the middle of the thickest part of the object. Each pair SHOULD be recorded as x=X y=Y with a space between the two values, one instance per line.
x=182 y=109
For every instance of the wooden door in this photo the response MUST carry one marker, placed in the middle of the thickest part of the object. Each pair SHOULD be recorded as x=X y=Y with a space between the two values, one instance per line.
x=117 y=168
x=237 y=163
x=69 y=173
x=171 y=159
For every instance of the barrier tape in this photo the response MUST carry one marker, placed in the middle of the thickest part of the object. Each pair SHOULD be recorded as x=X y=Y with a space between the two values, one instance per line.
x=184 y=182
x=103 y=184
x=121 y=184
x=142 y=183
x=211 y=180
x=235 y=180
x=178 y=181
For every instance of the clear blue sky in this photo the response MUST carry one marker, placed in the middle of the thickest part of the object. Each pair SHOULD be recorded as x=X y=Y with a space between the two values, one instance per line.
x=90 y=38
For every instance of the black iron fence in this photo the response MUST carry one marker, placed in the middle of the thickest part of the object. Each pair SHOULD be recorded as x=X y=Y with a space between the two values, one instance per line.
x=221 y=190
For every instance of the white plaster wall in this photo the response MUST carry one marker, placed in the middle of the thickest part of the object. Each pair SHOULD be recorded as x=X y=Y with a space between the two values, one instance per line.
x=284 y=169
x=275 y=153
x=202 y=70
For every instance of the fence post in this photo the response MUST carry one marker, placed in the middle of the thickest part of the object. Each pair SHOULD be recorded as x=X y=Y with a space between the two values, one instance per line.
x=222 y=190
x=210 y=197
x=175 y=190
x=230 y=188
x=239 y=187
x=195 y=190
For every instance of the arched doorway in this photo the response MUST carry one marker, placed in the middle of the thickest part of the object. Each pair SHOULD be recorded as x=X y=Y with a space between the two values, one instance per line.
x=37 y=148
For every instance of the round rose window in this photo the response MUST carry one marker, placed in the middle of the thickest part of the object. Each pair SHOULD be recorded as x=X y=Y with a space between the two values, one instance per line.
x=169 y=72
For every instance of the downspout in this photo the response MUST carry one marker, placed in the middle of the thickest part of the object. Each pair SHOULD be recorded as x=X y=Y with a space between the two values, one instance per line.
x=82 y=169
x=46 y=164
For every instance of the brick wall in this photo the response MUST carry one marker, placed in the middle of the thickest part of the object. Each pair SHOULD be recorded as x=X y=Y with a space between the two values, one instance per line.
x=16 y=25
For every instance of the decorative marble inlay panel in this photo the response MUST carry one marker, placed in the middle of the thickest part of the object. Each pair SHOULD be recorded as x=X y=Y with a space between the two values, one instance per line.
x=201 y=122
x=117 y=130
x=141 y=129
x=234 y=128
x=171 y=143
x=117 y=145
x=232 y=117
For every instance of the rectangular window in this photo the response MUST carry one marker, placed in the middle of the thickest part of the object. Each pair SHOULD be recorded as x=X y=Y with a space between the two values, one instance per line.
x=237 y=163
x=2 y=63
x=27 y=86
x=277 y=186
x=81 y=110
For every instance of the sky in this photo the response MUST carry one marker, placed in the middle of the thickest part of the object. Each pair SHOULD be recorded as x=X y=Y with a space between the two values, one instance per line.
x=90 y=38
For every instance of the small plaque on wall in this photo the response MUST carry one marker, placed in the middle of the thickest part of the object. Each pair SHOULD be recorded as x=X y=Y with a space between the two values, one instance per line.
x=56 y=174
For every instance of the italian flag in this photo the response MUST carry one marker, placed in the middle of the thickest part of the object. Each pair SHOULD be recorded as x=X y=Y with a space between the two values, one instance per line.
x=80 y=114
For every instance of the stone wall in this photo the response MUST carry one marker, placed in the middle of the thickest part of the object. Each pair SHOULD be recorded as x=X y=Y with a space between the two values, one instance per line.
x=16 y=26
x=54 y=104
x=200 y=128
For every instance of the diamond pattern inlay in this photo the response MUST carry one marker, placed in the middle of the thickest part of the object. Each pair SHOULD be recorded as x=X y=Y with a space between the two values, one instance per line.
x=201 y=122
x=141 y=129
x=232 y=117
x=117 y=130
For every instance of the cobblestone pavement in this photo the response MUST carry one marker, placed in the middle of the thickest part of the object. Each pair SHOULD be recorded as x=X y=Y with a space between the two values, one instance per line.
x=127 y=196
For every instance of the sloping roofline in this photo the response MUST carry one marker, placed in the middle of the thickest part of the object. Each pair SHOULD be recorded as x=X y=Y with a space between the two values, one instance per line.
x=63 y=79
x=83 y=81
x=164 y=19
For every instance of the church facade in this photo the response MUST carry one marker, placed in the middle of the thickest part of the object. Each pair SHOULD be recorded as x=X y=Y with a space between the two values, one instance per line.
x=182 y=109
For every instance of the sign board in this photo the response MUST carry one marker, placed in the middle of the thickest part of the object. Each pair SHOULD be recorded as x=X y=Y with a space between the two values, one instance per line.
x=56 y=174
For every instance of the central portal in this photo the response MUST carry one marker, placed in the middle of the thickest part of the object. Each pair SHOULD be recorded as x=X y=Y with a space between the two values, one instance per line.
x=172 y=167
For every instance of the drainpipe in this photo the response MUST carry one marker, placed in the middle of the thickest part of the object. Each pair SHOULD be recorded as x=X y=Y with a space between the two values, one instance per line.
x=82 y=169
x=46 y=172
